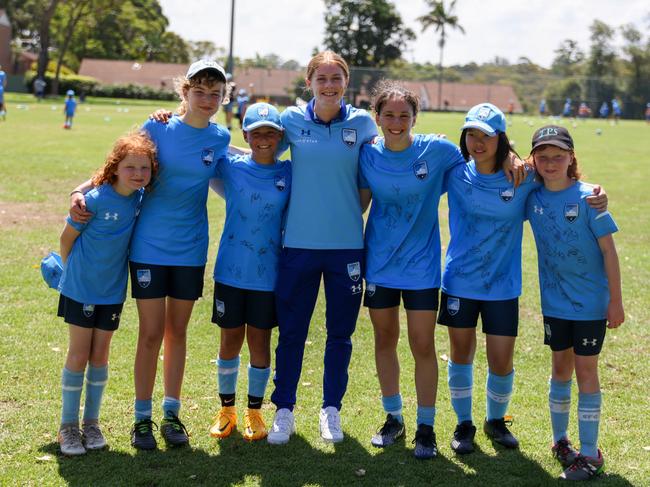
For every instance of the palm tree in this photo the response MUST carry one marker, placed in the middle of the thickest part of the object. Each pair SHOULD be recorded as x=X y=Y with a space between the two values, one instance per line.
x=440 y=18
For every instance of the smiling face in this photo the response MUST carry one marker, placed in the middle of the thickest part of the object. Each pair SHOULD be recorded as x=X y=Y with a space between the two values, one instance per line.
x=263 y=142
x=133 y=172
x=396 y=120
x=203 y=99
x=481 y=147
x=328 y=83
x=552 y=164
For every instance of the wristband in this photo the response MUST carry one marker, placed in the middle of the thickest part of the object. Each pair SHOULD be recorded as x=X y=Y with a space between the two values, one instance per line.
x=76 y=191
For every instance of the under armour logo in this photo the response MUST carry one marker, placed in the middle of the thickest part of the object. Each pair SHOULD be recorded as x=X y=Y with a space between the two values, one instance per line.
x=110 y=216
x=115 y=316
x=539 y=210
x=356 y=289
x=591 y=342
x=304 y=132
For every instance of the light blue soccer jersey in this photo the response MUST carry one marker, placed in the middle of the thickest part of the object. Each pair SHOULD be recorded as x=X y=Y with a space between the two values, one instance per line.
x=173 y=224
x=3 y=77
x=486 y=215
x=96 y=269
x=324 y=209
x=402 y=232
x=572 y=279
x=70 y=106
x=256 y=200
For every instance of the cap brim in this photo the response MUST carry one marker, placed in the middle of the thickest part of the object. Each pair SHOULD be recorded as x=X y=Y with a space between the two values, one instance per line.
x=262 y=123
x=556 y=143
x=482 y=126
x=221 y=75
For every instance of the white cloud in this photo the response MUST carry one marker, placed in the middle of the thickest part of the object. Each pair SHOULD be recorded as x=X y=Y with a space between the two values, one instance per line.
x=505 y=28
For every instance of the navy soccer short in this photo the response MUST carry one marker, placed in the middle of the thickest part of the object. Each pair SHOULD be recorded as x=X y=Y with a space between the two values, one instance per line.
x=586 y=337
x=101 y=316
x=233 y=307
x=498 y=317
x=149 y=281
x=380 y=297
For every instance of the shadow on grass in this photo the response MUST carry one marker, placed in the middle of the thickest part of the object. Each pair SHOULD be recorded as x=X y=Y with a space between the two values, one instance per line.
x=234 y=461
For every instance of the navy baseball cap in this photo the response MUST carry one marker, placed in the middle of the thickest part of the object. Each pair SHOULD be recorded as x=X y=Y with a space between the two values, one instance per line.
x=52 y=269
x=205 y=65
x=262 y=115
x=552 y=135
x=487 y=118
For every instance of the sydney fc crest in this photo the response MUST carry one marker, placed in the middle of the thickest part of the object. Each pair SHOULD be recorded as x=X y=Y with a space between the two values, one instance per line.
x=88 y=310
x=571 y=211
x=354 y=271
x=220 y=307
x=144 y=277
x=421 y=169
x=263 y=111
x=507 y=194
x=280 y=183
x=453 y=306
x=349 y=136
x=207 y=156
x=370 y=290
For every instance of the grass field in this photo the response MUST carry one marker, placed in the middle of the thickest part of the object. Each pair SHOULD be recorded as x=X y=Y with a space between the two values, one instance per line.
x=40 y=163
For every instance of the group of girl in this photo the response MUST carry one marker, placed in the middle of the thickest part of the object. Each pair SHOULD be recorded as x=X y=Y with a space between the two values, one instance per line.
x=337 y=167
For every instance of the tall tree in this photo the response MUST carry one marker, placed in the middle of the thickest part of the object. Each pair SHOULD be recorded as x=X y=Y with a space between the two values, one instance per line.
x=439 y=19
x=637 y=70
x=568 y=58
x=367 y=33
x=601 y=66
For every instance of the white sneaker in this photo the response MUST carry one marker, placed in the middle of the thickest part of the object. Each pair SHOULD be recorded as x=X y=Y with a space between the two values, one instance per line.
x=330 y=425
x=93 y=437
x=70 y=440
x=283 y=427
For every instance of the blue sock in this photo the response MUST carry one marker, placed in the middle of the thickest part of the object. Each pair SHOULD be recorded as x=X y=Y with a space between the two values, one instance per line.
x=426 y=415
x=170 y=405
x=559 y=402
x=393 y=405
x=96 y=379
x=499 y=390
x=142 y=409
x=257 y=380
x=460 y=378
x=589 y=422
x=71 y=386
x=227 y=372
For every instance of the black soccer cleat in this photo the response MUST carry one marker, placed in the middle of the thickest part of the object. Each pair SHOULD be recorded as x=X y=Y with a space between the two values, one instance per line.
x=497 y=431
x=463 y=441
x=142 y=437
x=389 y=433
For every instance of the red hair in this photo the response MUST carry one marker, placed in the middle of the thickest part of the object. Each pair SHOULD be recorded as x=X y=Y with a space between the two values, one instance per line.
x=135 y=142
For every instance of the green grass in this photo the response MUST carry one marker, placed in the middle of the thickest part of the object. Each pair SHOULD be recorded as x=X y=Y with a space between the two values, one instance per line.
x=40 y=163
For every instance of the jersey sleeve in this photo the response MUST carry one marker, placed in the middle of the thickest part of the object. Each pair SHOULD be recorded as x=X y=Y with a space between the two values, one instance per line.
x=152 y=128
x=451 y=154
x=284 y=143
x=601 y=223
x=362 y=181
x=369 y=129
x=91 y=206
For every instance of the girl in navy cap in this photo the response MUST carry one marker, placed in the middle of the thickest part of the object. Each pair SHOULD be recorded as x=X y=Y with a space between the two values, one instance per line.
x=580 y=287
x=170 y=243
x=482 y=274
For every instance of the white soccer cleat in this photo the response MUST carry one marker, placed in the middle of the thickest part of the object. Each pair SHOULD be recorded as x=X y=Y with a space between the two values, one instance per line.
x=283 y=427
x=329 y=421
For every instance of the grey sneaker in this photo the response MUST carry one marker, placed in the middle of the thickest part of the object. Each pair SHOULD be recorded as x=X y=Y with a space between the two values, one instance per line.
x=92 y=436
x=584 y=468
x=564 y=452
x=389 y=433
x=70 y=440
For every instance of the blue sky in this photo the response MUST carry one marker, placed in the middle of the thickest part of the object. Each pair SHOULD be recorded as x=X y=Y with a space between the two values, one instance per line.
x=507 y=28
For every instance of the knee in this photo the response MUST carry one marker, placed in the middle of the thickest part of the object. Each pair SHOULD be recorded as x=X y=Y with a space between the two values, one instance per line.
x=386 y=340
x=150 y=339
x=176 y=332
x=76 y=360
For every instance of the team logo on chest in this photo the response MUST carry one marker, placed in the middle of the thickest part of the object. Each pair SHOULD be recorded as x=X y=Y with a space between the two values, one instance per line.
x=280 y=183
x=221 y=307
x=88 y=310
x=571 y=211
x=507 y=194
x=354 y=271
x=144 y=277
x=349 y=136
x=453 y=305
x=421 y=169
x=207 y=156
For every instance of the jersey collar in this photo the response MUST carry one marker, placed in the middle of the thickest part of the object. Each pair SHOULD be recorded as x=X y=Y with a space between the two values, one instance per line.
x=310 y=114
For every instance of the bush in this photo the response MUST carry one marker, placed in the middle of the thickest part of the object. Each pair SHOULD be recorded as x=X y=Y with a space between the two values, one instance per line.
x=80 y=84
x=132 y=91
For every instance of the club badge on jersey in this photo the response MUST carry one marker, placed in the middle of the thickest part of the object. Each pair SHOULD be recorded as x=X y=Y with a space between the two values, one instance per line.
x=207 y=156
x=421 y=169
x=144 y=277
x=453 y=306
x=280 y=183
x=571 y=211
x=349 y=137
x=354 y=271
x=507 y=194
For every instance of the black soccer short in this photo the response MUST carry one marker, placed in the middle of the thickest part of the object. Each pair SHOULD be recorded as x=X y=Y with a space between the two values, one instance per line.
x=498 y=317
x=149 y=281
x=233 y=307
x=101 y=316
x=586 y=337
x=380 y=297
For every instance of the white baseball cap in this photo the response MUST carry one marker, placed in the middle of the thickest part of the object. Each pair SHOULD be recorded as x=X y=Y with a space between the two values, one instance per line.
x=205 y=65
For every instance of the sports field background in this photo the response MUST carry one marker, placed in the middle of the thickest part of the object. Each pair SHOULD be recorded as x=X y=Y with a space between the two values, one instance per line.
x=40 y=163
